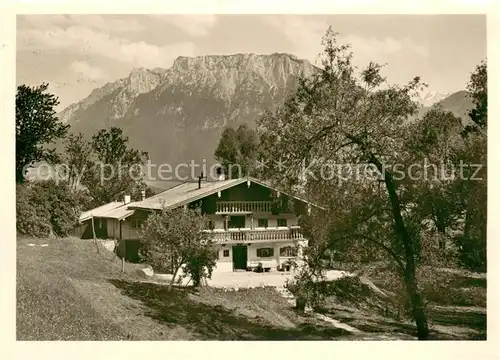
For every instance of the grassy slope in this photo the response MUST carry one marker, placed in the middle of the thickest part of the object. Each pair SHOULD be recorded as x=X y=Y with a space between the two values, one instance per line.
x=50 y=302
x=455 y=301
x=66 y=291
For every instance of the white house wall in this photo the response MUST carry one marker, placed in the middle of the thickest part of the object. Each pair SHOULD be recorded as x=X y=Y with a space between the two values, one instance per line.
x=225 y=264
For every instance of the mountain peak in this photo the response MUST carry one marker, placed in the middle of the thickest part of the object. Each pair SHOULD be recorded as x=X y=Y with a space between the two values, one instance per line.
x=432 y=97
x=247 y=74
x=142 y=80
x=239 y=60
x=138 y=70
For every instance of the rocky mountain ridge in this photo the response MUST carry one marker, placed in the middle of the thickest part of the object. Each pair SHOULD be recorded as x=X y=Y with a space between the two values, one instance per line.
x=177 y=114
x=139 y=81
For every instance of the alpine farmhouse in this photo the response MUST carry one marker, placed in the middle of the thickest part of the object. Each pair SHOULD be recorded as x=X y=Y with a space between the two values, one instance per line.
x=253 y=225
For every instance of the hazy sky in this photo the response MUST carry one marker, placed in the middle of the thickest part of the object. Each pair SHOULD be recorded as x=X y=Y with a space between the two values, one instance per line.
x=77 y=53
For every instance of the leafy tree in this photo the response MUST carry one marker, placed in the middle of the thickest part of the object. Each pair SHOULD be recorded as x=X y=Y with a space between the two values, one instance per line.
x=436 y=138
x=457 y=202
x=248 y=147
x=36 y=126
x=339 y=117
x=473 y=196
x=267 y=140
x=77 y=159
x=478 y=88
x=81 y=162
x=473 y=188
x=117 y=170
x=227 y=150
x=173 y=238
x=305 y=285
x=239 y=148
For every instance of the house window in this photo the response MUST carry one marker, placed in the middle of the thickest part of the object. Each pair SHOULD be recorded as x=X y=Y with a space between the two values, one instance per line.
x=288 y=251
x=135 y=223
x=282 y=223
x=216 y=254
x=262 y=223
x=236 y=222
x=265 y=252
x=226 y=253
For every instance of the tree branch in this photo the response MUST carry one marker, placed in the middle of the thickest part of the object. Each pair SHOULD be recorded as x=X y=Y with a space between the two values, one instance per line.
x=386 y=248
x=389 y=251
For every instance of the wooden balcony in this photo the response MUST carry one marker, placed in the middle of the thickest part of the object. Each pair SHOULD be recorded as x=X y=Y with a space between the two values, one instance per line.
x=250 y=236
x=242 y=207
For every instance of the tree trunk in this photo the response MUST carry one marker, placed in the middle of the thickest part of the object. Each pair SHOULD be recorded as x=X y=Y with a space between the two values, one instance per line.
x=171 y=285
x=405 y=240
x=404 y=237
x=300 y=304
x=467 y=223
x=417 y=306
x=441 y=228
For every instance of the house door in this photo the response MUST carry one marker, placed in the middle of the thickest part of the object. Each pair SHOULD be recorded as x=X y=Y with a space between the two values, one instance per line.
x=101 y=228
x=239 y=257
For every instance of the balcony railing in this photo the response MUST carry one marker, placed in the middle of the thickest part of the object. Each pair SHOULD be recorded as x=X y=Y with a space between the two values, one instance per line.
x=243 y=206
x=242 y=235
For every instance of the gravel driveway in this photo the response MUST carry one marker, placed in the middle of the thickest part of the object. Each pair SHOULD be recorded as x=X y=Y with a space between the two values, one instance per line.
x=251 y=279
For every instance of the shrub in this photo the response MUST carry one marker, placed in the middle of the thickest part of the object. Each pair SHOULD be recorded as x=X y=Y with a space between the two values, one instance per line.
x=172 y=239
x=30 y=220
x=306 y=287
x=472 y=252
x=199 y=264
x=45 y=207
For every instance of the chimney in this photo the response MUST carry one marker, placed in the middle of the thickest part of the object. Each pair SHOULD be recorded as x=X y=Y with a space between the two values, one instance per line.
x=220 y=174
x=143 y=195
x=126 y=199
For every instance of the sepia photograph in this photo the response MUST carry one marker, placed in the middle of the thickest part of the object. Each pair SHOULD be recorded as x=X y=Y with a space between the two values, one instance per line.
x=251 y=177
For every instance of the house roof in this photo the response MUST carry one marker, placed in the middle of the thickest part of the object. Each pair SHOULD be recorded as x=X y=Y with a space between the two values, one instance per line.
x=185 y=193
x=188 y=192
x=99 y=211
x=120 y=213
x=174 y=197
x=295 y=197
